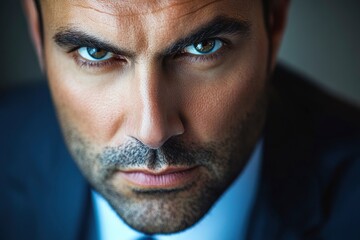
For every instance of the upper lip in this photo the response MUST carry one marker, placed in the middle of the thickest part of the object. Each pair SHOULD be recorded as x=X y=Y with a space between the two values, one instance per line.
x=163 y=171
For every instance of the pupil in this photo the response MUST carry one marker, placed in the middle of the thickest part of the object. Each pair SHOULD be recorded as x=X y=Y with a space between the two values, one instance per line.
x=96 y=53
x=205 y=46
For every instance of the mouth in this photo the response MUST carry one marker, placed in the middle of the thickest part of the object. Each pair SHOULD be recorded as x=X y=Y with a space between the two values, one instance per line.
x=169 y=178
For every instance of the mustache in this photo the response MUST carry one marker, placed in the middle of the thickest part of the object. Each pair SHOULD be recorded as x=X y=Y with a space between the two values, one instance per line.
x=134 y=154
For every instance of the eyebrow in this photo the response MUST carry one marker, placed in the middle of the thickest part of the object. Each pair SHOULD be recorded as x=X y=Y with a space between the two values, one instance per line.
x=72 y=38
x=220 y=25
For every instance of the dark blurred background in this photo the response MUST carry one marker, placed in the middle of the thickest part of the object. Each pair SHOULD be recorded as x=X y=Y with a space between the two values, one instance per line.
x=322 y=41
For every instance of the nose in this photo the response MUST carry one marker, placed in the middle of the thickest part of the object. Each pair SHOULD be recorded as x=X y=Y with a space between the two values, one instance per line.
x=156 y=111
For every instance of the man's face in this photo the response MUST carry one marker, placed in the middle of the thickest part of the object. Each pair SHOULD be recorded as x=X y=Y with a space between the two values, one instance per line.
x=161 y=102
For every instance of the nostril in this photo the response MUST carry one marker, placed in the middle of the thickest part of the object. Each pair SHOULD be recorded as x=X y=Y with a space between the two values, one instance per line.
x=153 y=139
x=155 y=133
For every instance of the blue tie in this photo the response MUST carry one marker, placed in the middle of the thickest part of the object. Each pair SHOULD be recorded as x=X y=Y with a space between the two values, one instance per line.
x=146 y=238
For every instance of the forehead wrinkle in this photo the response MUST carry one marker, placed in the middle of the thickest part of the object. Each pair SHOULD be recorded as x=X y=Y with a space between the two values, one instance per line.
x=94 y=9
x=199 y=8
x=120 y=11
x=106 y=23
x=177 y=5
x=159 y=9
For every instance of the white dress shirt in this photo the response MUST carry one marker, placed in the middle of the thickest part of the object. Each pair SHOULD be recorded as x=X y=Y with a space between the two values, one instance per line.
x=228 y=218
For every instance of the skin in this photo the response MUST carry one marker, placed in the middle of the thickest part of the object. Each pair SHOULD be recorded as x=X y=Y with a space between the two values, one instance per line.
x=154 y=110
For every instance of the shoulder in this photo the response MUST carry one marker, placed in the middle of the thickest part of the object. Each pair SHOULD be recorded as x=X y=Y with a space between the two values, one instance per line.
x=27 y=123
x=314 y=103
x=325 y=125
x=42 y=191
x=312 y=157
x=299 y=106
x=24 y=106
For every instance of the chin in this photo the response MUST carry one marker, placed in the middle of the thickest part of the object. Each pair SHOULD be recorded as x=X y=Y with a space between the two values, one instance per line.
x=164 y=212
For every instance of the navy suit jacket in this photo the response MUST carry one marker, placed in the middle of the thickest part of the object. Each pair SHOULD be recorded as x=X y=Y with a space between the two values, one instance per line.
x=310 y=175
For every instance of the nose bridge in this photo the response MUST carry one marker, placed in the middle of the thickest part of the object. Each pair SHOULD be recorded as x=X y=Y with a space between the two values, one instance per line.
x=157 y=116
x=153 y=113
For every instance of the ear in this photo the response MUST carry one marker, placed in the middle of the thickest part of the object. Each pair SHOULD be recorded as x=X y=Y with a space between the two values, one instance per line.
x=278 y=14
x=32 y=16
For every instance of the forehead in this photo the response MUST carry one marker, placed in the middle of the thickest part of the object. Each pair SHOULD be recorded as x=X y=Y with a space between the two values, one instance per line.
x=119 y=12
x=136 y=22
x=143 y=7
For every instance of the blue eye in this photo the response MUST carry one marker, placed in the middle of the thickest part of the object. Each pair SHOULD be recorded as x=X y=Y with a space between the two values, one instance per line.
x=204 y=47
x=94 y=54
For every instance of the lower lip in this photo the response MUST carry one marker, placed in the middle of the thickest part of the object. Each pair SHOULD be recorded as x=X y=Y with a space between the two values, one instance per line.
x=167 y=180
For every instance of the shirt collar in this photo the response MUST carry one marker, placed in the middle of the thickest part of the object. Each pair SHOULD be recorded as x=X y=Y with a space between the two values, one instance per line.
x=228 y=218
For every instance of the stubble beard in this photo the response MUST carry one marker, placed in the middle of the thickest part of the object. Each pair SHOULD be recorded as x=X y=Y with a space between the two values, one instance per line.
x=154 y=212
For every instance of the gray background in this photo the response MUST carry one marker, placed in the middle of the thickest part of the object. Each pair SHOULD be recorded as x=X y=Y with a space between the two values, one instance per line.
x=322 y=40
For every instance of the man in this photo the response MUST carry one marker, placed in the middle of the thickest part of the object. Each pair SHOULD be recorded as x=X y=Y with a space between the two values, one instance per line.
x=162 y=105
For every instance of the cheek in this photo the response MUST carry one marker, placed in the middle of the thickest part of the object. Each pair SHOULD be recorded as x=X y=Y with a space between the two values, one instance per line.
x=84 y=103
x=90 y=112
x=233 y=94
x=216 y=110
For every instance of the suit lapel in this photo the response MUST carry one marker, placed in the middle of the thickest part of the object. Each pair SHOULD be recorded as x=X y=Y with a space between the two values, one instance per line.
x=288 y=199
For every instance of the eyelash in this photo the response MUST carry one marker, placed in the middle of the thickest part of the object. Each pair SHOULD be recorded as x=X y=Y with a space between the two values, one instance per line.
x=206 y=58
x=83 y=63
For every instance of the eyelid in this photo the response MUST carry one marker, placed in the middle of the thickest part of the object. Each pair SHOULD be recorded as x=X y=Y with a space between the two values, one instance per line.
x=205 y=59
x=100 y=65
x=226 y=43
